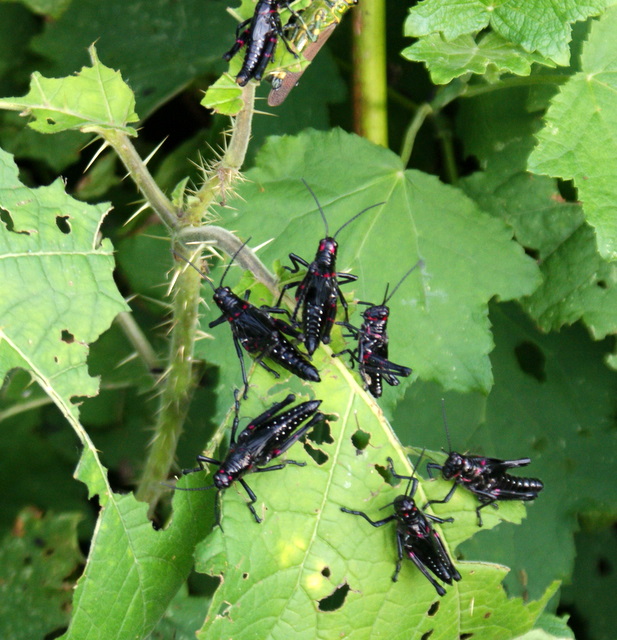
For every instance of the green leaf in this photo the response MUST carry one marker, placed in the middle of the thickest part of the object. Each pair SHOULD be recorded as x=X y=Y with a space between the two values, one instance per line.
x=535 y=25
x=93 y=100
x=225 y=96
x=57 y=292
x=447 y=60
x=57 y=296
x=35 y=560
x=553 y=402
x=578 y=283
x=578 y=140
x=279 y=574
x=468 y=257
x=160 y=46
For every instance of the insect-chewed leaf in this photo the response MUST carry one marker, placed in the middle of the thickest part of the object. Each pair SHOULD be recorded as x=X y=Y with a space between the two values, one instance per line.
x=96 y=98
x=306 y=549
x=57 y=293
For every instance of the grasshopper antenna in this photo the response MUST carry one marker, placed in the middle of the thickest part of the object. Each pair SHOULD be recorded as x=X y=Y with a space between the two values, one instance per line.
x=387 y=297
x=323 y=215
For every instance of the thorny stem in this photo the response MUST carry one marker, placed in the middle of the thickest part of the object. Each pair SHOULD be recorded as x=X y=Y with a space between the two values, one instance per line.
x=223 y=239
x=179 y=381
x=369 y=71
x=177 y=390
x=136 y=167
x=228 y=167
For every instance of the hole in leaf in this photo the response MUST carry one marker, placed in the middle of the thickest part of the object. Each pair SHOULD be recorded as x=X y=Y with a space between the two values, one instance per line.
x=360 y=439
x=67 y=336
x=602 y=284
x=321 y=434
x=465 y=636
x=325 y=572
x=605 y=568
x=567 y=190
x=5 y=217
x=487 y=615
x=427 y=635
x=245 y=576
x=434 y=608
x=50 y=121
x=319 y=456
x=531 y=360
x=384 y=472
x=56 y=359
x=335 y=600
x=62 y=222
x=224 y=609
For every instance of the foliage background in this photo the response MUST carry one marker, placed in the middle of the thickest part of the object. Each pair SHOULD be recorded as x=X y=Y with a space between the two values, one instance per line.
x=529 y=374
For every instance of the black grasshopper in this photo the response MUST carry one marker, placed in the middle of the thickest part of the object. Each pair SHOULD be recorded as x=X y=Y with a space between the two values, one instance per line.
x=258 y=332
x=307 y=36
x=486 y=478
x=260 y=34
x=266 y=437
x=372 y=351
x=319 y=290
x=415 y=536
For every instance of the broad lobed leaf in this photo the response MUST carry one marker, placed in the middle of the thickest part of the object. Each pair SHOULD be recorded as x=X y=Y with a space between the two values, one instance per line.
x=491 y=54
x=468 y=257
x=542 y=26
x=306 y=549
x=578 y=141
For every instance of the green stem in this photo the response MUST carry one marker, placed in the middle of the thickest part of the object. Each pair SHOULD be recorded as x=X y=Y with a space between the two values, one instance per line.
x=138 y=171
x=444 y=135
x=369 y=83
x=222 y=174
x=420 y=116
x=179 y=381
x=228 y=242
x=177 y=388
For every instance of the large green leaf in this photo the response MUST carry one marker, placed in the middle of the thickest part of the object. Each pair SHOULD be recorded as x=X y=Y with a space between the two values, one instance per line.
x=56 y=288
x=535 y=25
x=578 y=140
x=468 y=257
x=95 y=99
x=278 y=575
